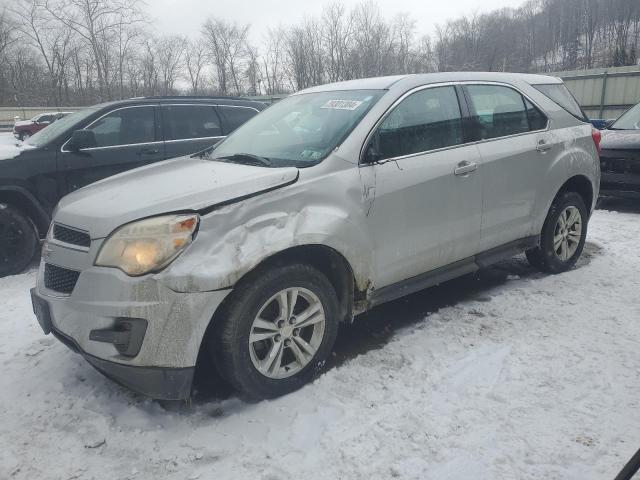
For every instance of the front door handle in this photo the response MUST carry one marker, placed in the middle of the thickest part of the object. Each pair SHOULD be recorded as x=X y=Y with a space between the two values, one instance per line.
x=465 y=167
x=543 y=145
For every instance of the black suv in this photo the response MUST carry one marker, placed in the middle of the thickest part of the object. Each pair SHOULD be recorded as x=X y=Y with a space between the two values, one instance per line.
x=95 y=143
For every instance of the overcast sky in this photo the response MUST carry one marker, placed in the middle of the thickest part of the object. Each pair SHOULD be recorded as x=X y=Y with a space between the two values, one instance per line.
x=186 y=16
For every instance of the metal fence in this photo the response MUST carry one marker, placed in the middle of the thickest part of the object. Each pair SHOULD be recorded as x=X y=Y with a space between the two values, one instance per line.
x=604 y=92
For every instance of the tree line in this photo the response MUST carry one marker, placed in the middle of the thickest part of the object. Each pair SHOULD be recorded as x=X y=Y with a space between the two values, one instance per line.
x=80 y=52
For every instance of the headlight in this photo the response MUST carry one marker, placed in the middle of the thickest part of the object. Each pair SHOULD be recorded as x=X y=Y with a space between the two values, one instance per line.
x=147 y=245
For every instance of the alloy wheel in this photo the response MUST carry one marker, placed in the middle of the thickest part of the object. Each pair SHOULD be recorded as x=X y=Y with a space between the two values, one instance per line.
x=287 y=332
x=567 y=233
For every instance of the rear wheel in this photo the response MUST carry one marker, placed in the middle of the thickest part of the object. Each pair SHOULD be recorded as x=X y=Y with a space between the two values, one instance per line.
x=563 y=235
x=18 y=241
x=277 y=331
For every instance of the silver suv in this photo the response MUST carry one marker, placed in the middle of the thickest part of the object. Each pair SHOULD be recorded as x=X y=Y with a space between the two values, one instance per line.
x=335 y=200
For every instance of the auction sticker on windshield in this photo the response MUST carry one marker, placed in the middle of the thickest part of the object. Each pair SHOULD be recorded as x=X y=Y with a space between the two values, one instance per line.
x=342 y=104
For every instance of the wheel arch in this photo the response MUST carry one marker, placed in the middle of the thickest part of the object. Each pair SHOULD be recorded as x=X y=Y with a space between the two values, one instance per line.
x=324 y=258
x=582 y=186
x=24 y=201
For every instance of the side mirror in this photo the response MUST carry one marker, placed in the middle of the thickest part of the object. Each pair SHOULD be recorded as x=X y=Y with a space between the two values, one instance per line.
x=82 y=139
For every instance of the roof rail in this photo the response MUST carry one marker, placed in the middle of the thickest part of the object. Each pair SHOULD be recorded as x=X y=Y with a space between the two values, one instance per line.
x=192 y=97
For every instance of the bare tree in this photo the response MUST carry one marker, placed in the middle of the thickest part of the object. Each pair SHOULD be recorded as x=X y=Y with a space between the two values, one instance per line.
x=195 y=59
x=227 y=44
x=273 y=61
x=98 y=22
x=169 y=55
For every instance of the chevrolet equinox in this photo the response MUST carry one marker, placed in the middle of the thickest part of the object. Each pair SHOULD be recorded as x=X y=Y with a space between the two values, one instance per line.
x=332 y=201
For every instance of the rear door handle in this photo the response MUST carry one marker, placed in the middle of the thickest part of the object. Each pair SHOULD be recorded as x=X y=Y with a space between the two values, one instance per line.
x=465 y=167
x=543 y=146
x=149 y=151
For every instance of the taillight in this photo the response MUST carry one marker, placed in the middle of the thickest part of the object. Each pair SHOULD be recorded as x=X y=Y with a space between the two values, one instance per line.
x=597 y=136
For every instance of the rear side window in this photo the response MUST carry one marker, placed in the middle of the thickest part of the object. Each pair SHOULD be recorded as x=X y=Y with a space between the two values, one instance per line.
x=498 y=111
x=559 y=93
x=126 y=126
x=190 y=121
x=235 y=116
x=426 y=120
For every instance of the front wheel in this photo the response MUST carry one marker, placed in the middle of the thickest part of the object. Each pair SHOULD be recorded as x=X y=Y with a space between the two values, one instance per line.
x=563 y=235
x=18 y=241
x=276 y=331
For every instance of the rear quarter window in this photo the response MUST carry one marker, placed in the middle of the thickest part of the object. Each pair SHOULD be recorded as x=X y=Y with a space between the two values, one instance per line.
x=560 y=94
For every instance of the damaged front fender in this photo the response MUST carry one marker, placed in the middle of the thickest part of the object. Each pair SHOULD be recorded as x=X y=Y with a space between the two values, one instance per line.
x=234 y=239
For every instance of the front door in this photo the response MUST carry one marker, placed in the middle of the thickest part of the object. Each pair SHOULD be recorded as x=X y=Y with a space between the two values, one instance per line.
x=427 y=205
x=126 y=138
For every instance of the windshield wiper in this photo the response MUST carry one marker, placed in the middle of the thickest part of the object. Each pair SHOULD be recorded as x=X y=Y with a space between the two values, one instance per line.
x=239 y=157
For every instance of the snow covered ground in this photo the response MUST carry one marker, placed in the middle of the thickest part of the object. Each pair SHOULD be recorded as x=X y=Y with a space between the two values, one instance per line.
x=510 y=374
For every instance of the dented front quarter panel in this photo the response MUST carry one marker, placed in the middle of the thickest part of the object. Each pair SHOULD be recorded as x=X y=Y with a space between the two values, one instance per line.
x=325 y=207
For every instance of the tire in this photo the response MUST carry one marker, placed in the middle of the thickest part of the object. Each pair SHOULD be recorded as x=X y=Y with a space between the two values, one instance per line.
x=238 y=360
x=18 y=241
x=562 y=256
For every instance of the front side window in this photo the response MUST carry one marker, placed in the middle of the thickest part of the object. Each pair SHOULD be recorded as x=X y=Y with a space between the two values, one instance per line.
x=190 y=121
x=300 y=130
x=426 y=120
x=497 y=111
x=235 y=116
x=126 y=126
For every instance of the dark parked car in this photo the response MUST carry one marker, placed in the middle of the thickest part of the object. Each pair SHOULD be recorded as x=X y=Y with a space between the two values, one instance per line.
x=620 y=156
x=23 y=129
x=95 y=143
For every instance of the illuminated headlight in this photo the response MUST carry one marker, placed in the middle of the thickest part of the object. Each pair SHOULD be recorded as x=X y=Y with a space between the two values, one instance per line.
x=147 y=245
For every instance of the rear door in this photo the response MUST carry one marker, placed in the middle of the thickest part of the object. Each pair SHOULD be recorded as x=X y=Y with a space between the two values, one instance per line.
x=190 y=128
x=126 y=138
x=516 y=151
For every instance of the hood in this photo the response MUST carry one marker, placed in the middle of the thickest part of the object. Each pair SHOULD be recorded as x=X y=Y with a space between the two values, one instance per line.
x=23 y=123
x=179 y=184
x=620 y=140
x=13 y=150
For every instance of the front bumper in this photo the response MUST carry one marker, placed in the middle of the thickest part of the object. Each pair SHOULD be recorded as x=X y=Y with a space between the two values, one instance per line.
x=164 y=360
x=163 y=383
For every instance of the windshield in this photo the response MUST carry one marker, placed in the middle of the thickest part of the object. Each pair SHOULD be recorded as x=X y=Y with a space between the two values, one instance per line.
x=629 y=120
x=300 y=130
x=45 y=135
